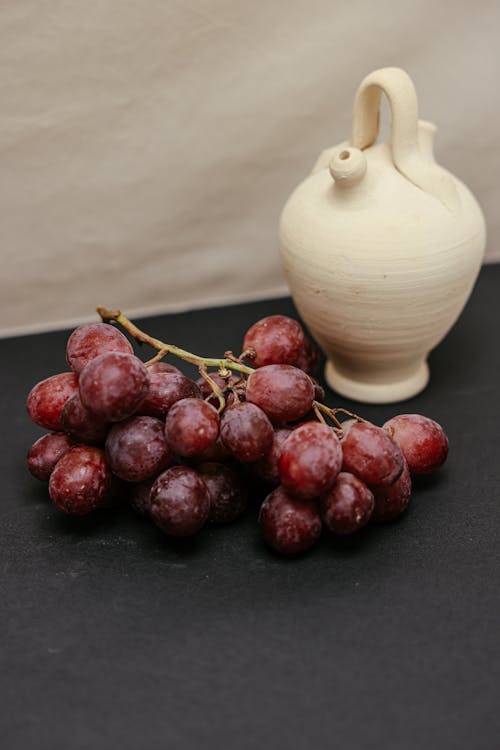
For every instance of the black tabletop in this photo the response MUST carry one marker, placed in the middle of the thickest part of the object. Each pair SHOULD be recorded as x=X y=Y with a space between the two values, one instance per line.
x=114 y=636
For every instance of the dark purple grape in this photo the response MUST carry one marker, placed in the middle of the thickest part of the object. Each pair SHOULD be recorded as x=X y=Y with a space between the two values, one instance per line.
x=81 y=423
x=284 y=392
x=136 y=449
x=370 y=453
x=81 y=481
x=228 y=496
x=310 y=460
x=46 y=400
x=46 y=452
x=179 y=502
x=113 y=384
x=422 y=440
x=163 y=367
x=165 y=389
x=89 y=341
x=391 y=500
x=289 y=525
x=276 y=339
x=347 y=507
x=192 y=427
x=267 y=467
x=308 y=359
x=246 y=431
x=140 y=496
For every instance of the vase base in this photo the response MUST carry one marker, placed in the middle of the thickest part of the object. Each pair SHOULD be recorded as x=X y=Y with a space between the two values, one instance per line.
x=377 y=393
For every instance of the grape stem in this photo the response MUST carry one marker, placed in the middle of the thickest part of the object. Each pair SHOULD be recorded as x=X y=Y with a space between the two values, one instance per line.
x=223 y=365
x=115 y=316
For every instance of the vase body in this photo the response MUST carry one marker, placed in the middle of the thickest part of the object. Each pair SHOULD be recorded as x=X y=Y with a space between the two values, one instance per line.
x=381 y=249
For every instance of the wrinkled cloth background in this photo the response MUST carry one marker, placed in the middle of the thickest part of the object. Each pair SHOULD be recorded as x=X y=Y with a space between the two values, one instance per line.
x=147 y=147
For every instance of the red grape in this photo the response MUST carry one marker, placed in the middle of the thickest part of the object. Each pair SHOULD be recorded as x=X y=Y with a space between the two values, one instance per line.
x=423 y=442
x=46 y=399
x=137 y=450
x=348 y=506
x=228 y=497
x=392 y=499
x=89 y=341
x=81 y=481
x=275 y=340
x=192 y=427
x=370 y=453
x=165 y=389
x=179 y=501
x=81 y=423
x=310 y=460
x=289 y=525
x=46 y=452
x=113 y=384
x=284 y=392
x=267 y=467
x=246 y=431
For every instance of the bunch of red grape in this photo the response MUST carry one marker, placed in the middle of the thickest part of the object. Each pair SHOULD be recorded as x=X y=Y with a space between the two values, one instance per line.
x=184 y=452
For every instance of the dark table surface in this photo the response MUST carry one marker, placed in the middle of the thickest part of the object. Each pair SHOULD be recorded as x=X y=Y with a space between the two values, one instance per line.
x=113 y=636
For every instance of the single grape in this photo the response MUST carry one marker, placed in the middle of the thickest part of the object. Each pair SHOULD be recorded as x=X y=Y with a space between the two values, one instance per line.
x=165 y=389
x=89 y=341
x=392 y=499
x=228 y=496
x=179 y=501
x=284 y=392
x=289 y=525
x=140 y=495
x=370 y=453
x=46 y=452
x=308 y=358
x=136 y=449
x=163 y=367
x=113 y=384
x=422 y=440
x=276 y=339
x=348 y=505
x=246 y=431
x=192 y=427
x=46 y=400
x=310 y=460
x=81 y=481
x=81 y=423
x=267 y=467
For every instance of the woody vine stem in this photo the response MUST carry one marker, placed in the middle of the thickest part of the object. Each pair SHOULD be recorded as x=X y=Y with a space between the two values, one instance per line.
x=224 y=365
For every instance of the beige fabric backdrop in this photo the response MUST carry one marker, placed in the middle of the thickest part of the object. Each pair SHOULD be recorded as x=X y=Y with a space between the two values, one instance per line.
x=147 y=146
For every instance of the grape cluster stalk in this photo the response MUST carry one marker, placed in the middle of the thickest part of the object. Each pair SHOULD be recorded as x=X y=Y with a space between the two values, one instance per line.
x=184 y=453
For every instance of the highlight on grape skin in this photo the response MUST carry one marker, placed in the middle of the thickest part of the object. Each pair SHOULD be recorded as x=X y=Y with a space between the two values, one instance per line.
x=185 y=452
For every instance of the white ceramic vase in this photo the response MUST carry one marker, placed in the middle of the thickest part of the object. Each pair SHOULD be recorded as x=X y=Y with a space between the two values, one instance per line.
x=381 y=248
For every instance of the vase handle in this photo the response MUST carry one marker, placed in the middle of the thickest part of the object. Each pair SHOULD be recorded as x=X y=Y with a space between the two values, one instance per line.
x=399 y=89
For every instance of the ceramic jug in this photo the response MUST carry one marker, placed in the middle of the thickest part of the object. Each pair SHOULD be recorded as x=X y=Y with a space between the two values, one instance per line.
x=381 y=247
